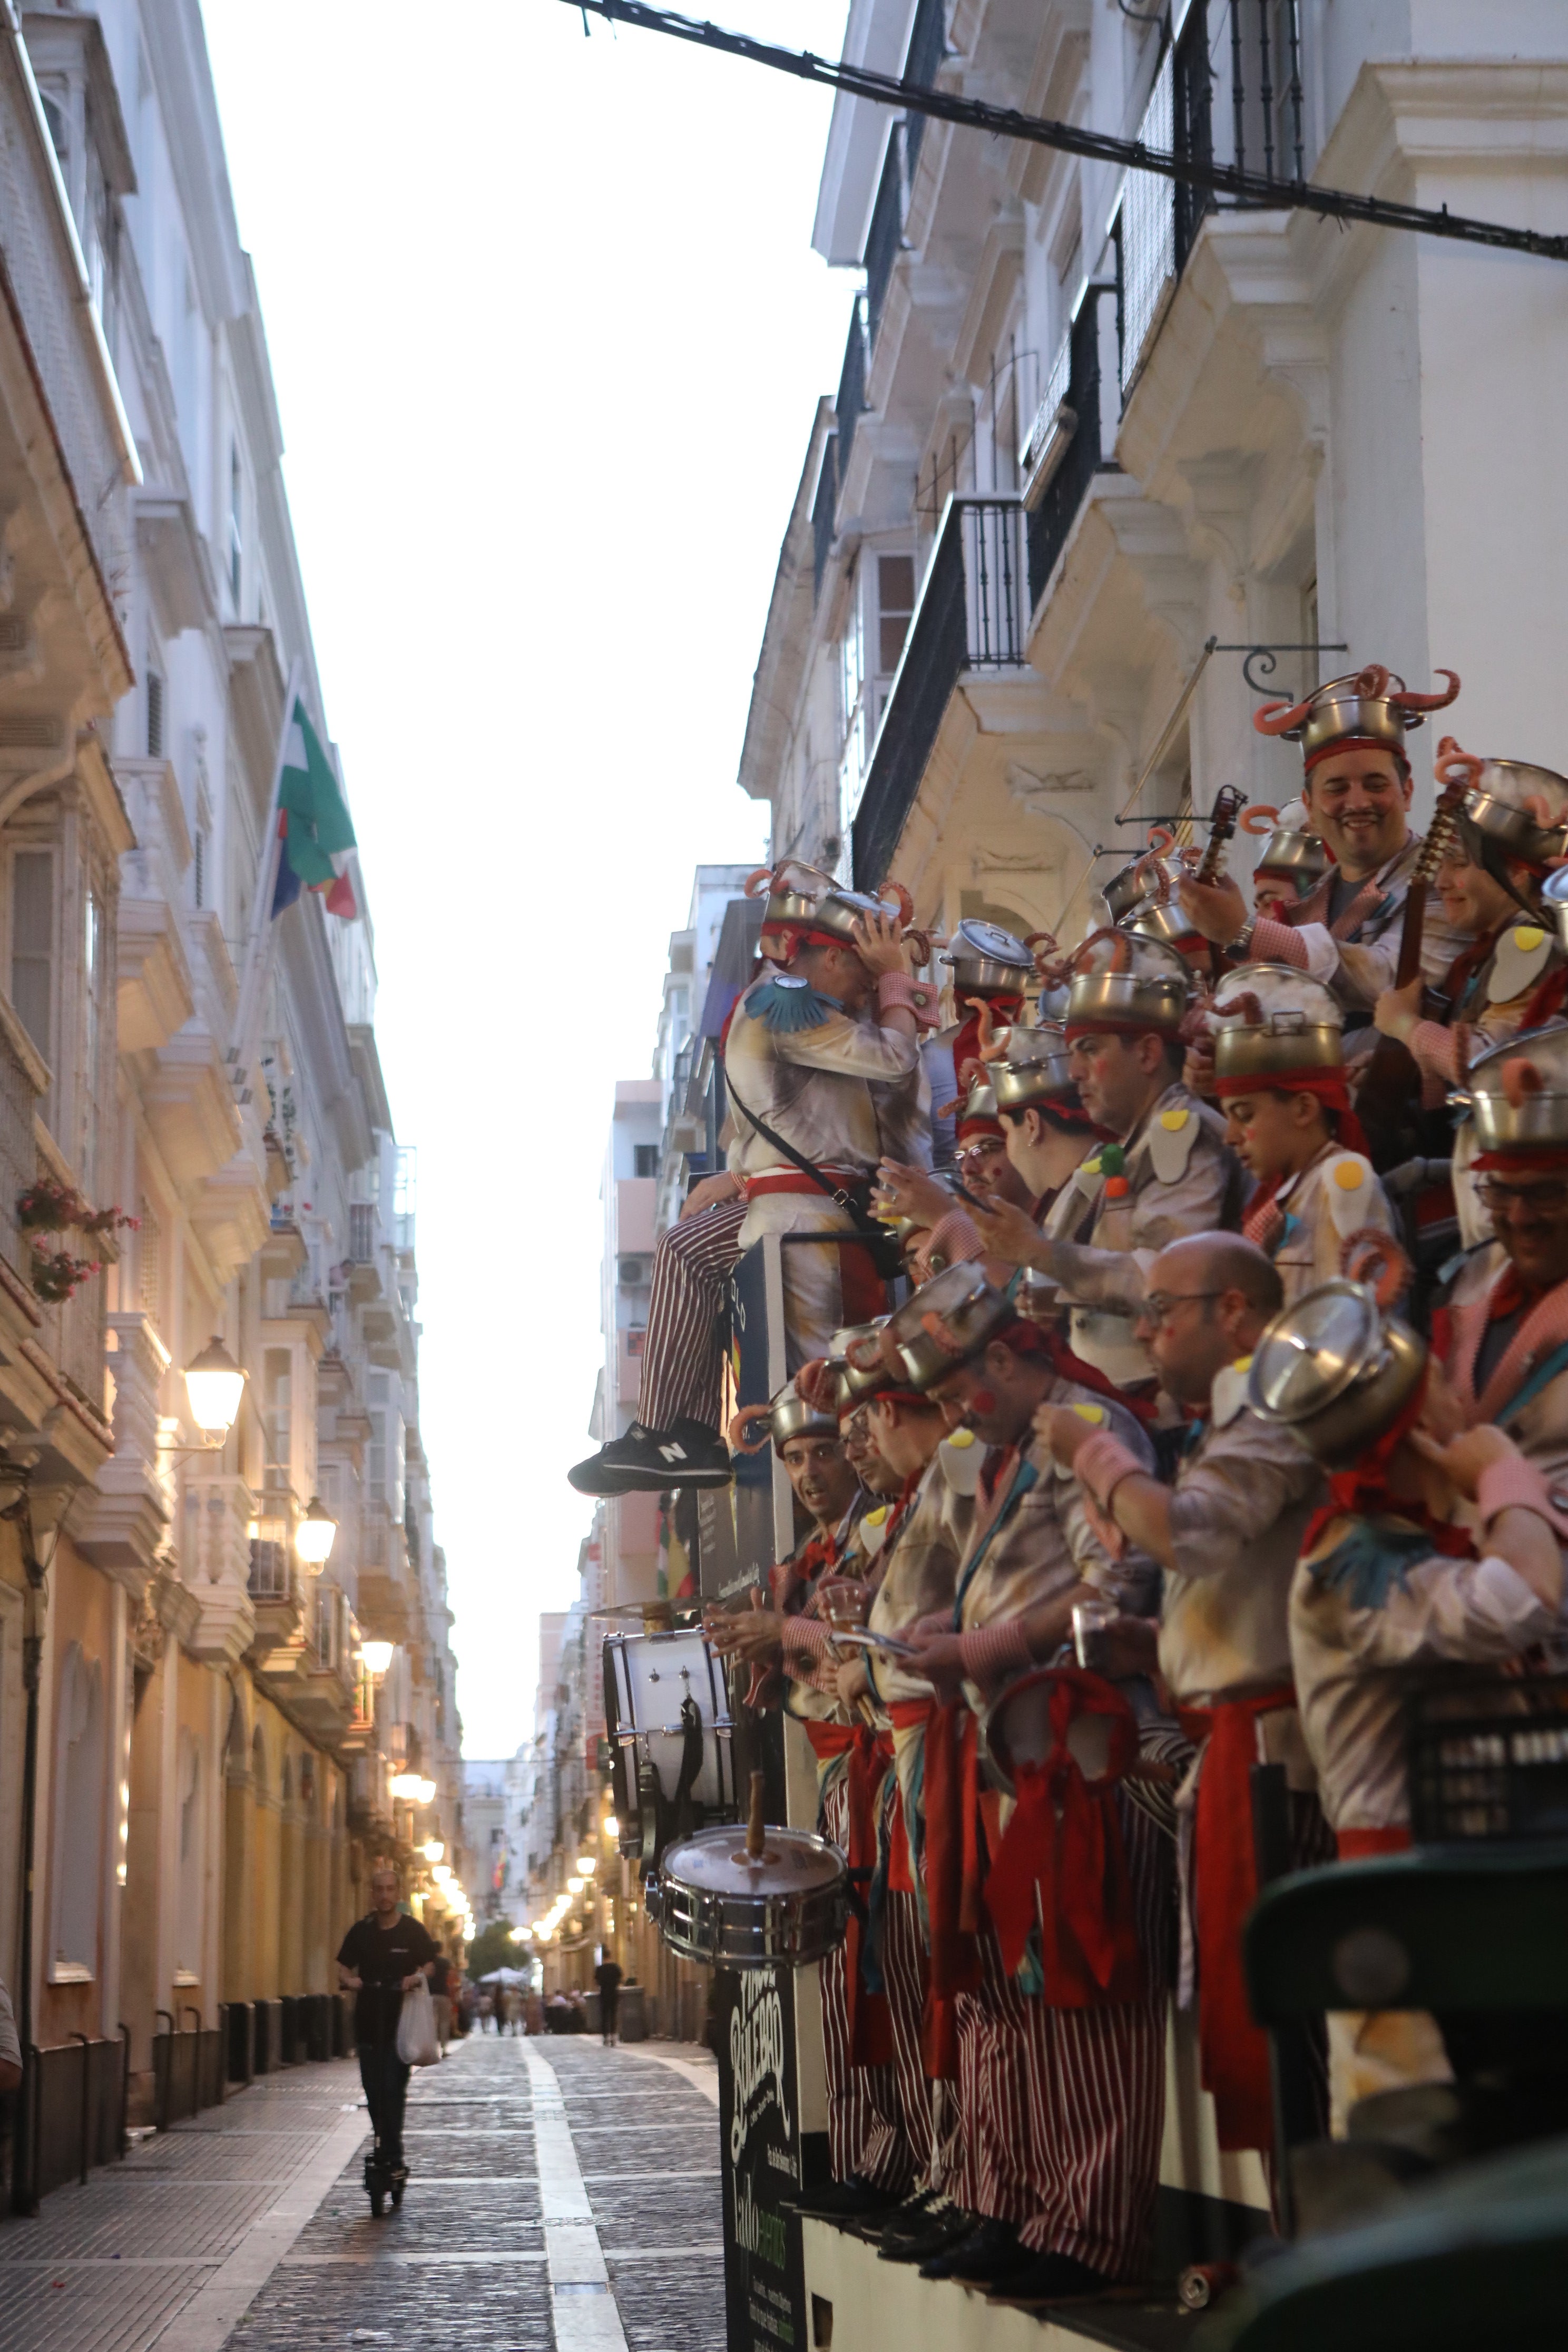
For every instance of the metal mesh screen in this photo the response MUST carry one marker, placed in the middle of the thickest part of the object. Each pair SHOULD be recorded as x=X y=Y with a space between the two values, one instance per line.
x=1148 y=233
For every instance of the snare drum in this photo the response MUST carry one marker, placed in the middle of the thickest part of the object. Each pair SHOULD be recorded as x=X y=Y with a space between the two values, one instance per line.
x=648 y=1678
x=715 y=1901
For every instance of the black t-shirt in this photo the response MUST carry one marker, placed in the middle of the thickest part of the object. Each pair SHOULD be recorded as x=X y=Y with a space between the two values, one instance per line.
x=381 y=1957
x=607 y=1977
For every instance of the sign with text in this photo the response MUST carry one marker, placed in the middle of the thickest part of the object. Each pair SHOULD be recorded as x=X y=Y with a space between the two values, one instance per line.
x=764 y=2277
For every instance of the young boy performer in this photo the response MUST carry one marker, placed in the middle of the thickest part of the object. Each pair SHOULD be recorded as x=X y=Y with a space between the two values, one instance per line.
x=800 y=1058
x=1227 y=1536
x=1356 y=791
x=1434 y=1547
x=991 y=970
x=1061 y=2093
x=1280 y=1077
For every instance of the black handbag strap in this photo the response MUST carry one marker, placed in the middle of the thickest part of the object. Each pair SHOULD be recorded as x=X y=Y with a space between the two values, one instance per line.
x=824 y=1183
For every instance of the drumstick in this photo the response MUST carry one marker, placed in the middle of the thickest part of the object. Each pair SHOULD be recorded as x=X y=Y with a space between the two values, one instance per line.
x=756 y=1829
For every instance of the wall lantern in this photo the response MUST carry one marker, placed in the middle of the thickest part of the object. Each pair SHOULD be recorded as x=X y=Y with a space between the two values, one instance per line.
x=215 y=1383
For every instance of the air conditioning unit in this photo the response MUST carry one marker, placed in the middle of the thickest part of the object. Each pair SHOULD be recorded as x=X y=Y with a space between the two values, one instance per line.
x=631 y=1270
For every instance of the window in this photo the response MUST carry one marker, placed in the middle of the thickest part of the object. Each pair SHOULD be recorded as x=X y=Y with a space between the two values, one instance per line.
x=896 y=602
x=637 y=1338
x=188 y=1917
x=236 y=532
x=154 y=714
x=150 y=1262
x=33 y=944
x=645 y=1159
x=278 y=1414
x=79 y=1821
x=362 y=1232
x=199 y=867
x=92 y=980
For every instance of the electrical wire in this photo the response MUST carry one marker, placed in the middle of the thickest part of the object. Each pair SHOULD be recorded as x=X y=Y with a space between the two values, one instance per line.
x=1072 y=139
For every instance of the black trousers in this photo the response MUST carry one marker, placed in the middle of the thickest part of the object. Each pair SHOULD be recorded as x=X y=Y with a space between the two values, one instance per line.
x=385 y=2080
x=609 y=2003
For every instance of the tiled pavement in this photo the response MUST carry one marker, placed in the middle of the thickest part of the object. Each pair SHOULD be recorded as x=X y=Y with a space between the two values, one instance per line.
x=165 y=2249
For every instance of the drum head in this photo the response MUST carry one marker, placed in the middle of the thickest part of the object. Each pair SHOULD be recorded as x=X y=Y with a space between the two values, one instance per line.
x=793 y=1862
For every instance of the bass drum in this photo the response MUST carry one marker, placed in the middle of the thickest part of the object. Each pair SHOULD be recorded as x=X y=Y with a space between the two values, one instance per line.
x=717 y=1900
x=667 y=1706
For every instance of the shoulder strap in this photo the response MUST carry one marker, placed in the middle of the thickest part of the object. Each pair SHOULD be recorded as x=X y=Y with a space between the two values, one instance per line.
x=797 y=1158
x=1543 y=1375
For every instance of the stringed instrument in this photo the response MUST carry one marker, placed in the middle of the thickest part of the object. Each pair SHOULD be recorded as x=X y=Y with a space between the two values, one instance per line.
x=1388 y=1099
x=1223 y=820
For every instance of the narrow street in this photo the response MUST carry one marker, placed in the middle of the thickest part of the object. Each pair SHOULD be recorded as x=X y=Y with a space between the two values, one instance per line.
x=563 y=2195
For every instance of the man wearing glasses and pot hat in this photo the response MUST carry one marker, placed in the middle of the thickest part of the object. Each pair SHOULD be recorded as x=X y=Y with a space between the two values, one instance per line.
x=1356 y=792
x=1436 y=1545
x=1167 y=1173
x=1227 y=1536
x=1060 y=2089
x=806 y=1051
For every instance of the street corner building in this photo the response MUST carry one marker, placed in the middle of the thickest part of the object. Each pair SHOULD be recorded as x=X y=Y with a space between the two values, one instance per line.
x=225 y=1683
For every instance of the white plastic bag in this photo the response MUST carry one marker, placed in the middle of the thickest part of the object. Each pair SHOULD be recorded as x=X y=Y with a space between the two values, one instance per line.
x=416 y=2043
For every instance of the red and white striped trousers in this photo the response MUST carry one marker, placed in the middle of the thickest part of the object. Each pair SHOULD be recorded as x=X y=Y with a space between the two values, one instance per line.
x=904 y=1978
x=865 y=2112
x=683 y=1352
x=1062 y=2110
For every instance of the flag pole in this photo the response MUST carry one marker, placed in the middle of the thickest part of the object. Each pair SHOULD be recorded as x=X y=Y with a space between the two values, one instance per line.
x=243 y=1045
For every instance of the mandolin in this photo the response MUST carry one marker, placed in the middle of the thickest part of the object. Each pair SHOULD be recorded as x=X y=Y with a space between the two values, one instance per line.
x=1388 y=1100
x=1227 y=807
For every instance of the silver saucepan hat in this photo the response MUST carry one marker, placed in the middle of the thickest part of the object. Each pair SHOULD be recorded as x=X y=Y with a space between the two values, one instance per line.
x=1335 y=1371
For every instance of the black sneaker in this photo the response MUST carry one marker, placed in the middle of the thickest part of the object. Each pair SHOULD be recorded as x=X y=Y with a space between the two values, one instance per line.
x=916 y=2241
x=990 y=2252
x=645 y=1461
x=842 y=2200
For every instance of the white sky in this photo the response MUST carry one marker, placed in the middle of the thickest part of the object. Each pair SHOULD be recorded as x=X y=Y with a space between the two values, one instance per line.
x=547 y=334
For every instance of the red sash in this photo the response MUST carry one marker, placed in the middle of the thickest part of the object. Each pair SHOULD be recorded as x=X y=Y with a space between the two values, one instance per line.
x=1356 y=1845
x=1232 y=2050
x=1064 y=1844
x=871 y=1754
x=953 y=1876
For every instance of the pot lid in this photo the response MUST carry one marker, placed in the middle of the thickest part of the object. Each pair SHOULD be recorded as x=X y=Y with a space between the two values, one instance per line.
x=718 y=1862
x=1315 y=1350
x=987 y=942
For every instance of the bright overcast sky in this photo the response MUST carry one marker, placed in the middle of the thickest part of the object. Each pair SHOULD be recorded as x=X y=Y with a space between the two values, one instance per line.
x=547 y=333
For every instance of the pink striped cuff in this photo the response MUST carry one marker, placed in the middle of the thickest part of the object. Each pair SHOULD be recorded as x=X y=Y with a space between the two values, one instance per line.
x=806 y=1634
x=1435 y=1048
x=952 y=1237
x=1514 y=1484
x=991 y=1653
x=916 y=996
x=1275 y=942
x=1101 y=1465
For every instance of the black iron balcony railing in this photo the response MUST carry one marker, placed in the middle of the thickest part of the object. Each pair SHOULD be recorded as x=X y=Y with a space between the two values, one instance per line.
x=928 y=47
x=972 y=615
x=850 y=404
x=1070 y=418
x=822 y=514
x=885 y=237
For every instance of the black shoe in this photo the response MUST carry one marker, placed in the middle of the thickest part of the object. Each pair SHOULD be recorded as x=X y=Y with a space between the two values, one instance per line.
x=842 y=2200
x=1051 y=2278
x=914 y=2218
x=991 y=2250
x=917 y=2239
x=645 y=1461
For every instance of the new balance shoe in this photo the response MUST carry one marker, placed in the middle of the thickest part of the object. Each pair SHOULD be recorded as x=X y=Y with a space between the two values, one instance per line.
x=989 y=2252
x=915 y=2237
x=647 y=1460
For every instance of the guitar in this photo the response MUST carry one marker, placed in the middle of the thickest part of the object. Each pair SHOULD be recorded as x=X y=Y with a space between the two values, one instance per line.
x=1227 y=807
x=1388 y=1100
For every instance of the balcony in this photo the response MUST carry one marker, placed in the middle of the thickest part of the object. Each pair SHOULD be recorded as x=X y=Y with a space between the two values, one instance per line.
x=384 y=1596
x=850 y=404
x=970 y=623
x=885 y=237
x=1066 y=443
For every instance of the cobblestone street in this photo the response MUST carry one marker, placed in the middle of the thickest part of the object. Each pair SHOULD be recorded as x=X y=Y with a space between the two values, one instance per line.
x=562 y=2196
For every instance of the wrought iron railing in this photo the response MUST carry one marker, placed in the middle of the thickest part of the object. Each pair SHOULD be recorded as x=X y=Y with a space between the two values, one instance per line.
x=850 y=404
x=972 y=615
x=1074 y=394
x=928 y=47
x=885 y=237
x=822 y=514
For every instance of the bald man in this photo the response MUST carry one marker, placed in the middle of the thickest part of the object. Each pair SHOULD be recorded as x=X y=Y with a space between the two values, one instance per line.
x=1227 y=1536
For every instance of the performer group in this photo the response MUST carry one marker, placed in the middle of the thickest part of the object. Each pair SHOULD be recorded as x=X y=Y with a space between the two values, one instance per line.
x=1182 y=1381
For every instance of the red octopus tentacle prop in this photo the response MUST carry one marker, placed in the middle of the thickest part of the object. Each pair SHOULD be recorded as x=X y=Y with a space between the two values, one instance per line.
x=1373 y=1257
x=1406 y=700
x=1454 y=765
x=1246 y=1004
x=1260 y=818
x=937 y=1326
x=1120 y=951
x=742 y=1422
x=1520 y=1080
x=1282 y=717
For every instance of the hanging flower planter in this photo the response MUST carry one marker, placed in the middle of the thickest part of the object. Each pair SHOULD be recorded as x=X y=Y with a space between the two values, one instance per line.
x=47 y=1206
x=56 y=1276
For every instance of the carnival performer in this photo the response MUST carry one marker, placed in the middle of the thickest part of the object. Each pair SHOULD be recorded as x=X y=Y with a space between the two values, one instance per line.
x=1060 y=2090
x=801 y=1063
x=1436 y=1546
x=1280 y=1076
x=1293 y=862
x=1167 y=1173
x=871 y=2159
x=991 y=973
x=1503 y=1332
x=1226 y=1537
x=1356 y=790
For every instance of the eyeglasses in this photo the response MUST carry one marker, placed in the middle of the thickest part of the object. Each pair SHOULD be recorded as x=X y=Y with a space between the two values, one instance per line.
x=1549 y=1200
x=1156 y=1309
x=986 y=1149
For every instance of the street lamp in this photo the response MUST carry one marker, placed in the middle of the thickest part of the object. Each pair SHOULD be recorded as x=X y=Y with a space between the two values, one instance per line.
x=315 y=1535
x=574 y=1887
x=424 y=1790
x=378 y=1657
x=587 y=1863
x=406 y=1788
x=213 y=1384
x=434 y=1851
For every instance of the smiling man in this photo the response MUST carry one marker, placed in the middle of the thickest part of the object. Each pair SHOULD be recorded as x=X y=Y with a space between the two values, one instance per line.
x=1357 y=792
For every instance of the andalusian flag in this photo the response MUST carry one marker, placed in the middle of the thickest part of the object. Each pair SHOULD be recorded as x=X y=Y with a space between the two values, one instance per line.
x=316 y=838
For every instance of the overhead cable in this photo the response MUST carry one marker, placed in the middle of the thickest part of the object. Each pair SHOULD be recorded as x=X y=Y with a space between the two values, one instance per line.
x=1194 y=171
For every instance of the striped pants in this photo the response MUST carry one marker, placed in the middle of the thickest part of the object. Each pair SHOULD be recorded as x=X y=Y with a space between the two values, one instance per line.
x=904 y=1977
x=683 y=1351
x=865 y=2111
x=1063 y=2109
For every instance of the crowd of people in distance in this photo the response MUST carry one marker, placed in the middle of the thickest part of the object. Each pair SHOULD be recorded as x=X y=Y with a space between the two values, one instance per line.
x=1222 y=1404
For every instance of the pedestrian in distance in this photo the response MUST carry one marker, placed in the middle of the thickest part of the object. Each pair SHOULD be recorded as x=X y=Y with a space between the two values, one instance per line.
x=383 y=1956
x=607 y=1977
